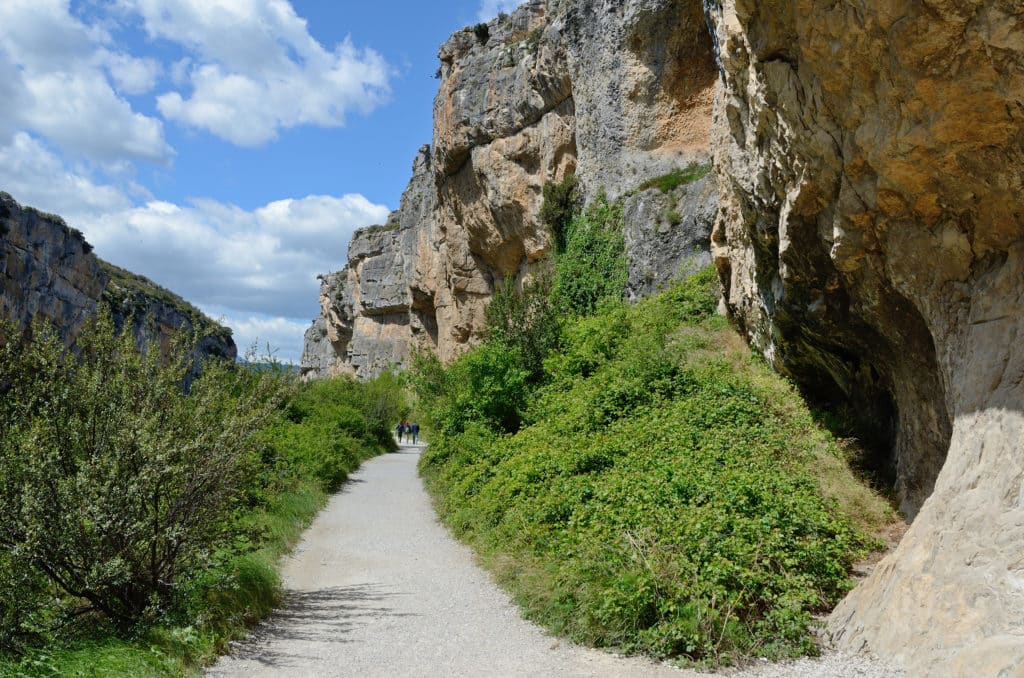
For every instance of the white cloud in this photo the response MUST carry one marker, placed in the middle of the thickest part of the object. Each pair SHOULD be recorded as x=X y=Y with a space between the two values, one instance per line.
x=260 y=261
x=133 y=76
x=257 y=70
x=280 y=338
x=490 y=8
x=36 y=176
x=56 y=68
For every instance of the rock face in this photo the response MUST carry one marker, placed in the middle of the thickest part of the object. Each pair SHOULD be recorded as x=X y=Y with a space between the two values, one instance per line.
x=871 y=243
x=47 y=270
x=668 y=235
x=375 y=311
x=614 y=93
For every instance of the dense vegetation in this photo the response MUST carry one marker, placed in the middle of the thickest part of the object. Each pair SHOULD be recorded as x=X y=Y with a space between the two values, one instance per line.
x=655 y=488
x=143 y=522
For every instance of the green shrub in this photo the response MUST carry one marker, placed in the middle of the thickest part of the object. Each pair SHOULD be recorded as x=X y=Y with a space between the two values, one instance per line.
x=666 y=493
x=593 y=268
x=165 y=512
x=524 y=321
x=559 y=208
x=482 y=32
x=488 y=385
x=673 y=180
x=114 y=482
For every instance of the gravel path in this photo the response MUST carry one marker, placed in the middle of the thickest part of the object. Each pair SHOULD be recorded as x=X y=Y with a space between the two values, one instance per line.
x=379 y=588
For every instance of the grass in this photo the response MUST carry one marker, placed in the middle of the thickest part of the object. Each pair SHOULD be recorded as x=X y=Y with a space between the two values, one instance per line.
x=673 y=180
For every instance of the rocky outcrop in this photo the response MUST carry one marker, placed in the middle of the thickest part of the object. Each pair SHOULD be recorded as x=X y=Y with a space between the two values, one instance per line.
x=375 y=312
x=668 y=235
x=871 y=244
x=614 y=93
x=48 y=271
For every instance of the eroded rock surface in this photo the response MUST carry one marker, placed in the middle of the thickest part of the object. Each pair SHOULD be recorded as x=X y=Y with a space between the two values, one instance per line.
x=47 y=270
x=615 y=93
x=871 y=242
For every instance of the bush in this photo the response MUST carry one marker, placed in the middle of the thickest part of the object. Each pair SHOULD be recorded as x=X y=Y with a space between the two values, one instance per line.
x=525 y=322
x=560 y=205
x=665 y=493
x=482 y=33
x=673 y=180
x=114 y=482
x=488 y=386
x=593 y=268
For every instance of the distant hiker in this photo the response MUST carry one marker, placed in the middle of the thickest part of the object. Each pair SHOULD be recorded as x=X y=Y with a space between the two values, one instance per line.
x=415 y=432
x=407 y=429
x=398 y=431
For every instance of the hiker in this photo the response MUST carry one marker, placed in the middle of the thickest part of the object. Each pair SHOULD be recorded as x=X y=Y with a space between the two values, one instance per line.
x=408 y=430
x=398 y=432
x=415 y=432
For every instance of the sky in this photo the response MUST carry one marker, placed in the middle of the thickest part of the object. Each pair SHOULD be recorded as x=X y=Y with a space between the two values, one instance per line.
x=226 y=149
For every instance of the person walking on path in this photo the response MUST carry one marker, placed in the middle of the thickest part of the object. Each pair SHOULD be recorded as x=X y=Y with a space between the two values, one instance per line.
x=399 y=430
x=415 y=432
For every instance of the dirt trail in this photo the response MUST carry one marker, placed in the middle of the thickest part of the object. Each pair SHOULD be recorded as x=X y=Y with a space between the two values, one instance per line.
x=379 y=588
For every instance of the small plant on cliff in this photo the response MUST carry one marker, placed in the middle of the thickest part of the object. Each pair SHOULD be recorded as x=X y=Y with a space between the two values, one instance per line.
x=561 y=203
x=673 y=180
x=593 y=267
x=482 y=33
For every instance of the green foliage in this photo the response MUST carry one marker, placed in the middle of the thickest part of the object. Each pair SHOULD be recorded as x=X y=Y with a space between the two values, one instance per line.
x=129 y=291
x=665 y=493
x=144 y=523
x=488 y=386
x=593 y=267
x=525 y=322
x=561 y=202
x=482 y=32
x=673 y=180
x=113 y=482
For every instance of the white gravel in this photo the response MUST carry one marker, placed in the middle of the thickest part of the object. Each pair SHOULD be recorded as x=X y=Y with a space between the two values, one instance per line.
x=379 y=588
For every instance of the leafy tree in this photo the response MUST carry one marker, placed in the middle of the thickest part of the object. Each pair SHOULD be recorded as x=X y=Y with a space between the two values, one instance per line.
x=115 y=483
x=561 y=202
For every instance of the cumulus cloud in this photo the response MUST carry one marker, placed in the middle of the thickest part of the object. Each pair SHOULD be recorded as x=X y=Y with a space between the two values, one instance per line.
x=58 y=71
x=260 y=261
x=256 y=268
x=491 y=8
x=257 y=70
x=35 y=176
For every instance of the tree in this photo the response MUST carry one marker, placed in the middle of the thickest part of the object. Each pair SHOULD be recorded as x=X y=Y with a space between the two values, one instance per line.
x=114 y=482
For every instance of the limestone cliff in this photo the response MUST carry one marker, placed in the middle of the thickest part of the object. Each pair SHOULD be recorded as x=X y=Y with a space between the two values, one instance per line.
x=615 y=93
x=48 y=271
x=871 y=242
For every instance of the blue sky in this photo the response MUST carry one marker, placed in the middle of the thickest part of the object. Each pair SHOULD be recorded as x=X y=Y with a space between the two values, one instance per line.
x=225 y=148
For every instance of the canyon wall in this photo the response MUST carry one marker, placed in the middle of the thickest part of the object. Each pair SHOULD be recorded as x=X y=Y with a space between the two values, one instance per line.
x=871 y=244
x=48 y=271
x=613 y=92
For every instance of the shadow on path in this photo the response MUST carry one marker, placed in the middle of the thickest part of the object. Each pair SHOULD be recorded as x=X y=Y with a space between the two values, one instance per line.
x=324 y=615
